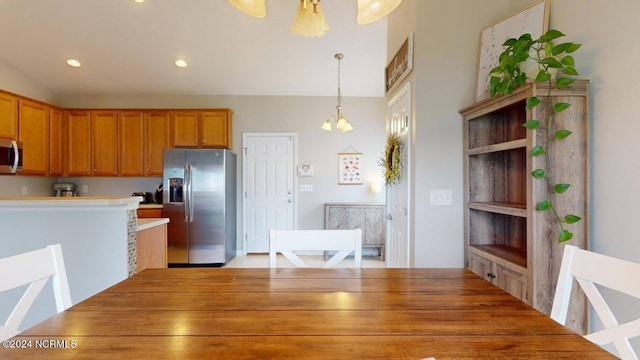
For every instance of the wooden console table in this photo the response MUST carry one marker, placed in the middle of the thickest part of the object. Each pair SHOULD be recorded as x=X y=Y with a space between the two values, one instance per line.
x=368 y=217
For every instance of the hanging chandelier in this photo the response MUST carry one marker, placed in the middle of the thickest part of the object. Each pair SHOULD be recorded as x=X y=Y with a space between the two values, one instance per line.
x=342 y=123
x=309 y=19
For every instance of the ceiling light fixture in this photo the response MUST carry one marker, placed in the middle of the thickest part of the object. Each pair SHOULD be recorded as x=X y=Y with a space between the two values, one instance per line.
x=341 y=122
x=73 y=62
x=255 y=8
x=309 y=20
x=180 y=63
x=374 y=10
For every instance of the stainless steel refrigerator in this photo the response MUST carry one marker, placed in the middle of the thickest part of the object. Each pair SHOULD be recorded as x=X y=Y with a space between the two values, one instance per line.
x=199 y=198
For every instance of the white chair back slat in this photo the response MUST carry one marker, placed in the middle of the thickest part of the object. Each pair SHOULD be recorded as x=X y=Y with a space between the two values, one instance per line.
x=33 y=268
x=592 y=270
x=287 y=242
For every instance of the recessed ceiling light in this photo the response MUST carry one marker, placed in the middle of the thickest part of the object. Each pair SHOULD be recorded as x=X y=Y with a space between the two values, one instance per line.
x=74 y=63
x=181 y=63
x=139 y=1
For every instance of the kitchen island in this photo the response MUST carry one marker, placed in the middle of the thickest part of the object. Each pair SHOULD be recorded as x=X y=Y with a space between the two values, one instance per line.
x=98 y=237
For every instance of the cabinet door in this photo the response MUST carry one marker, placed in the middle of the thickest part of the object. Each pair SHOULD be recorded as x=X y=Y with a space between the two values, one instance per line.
x=480 y=266
x=512 y=282
x=56 y=142
x=184 y=126
x=374 y=229
x=8 y=116
x=33 y=132
x=215 y=129
x=157 y=138
x=78 y=126
x=337 y=218
x=104 y=143
x=131 y=144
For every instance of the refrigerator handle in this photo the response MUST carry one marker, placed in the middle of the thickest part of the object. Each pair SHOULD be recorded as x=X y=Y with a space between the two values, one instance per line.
x=190 y=193
x=185 y=202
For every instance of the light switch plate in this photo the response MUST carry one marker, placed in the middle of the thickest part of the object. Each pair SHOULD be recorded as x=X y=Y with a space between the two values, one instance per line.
x=441 y=197
x=306 y=187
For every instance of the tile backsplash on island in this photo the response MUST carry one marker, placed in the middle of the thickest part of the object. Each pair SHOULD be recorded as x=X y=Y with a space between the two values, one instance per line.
x=17 y=185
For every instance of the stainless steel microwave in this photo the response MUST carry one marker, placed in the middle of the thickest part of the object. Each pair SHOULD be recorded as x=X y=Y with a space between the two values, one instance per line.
x=10 y=156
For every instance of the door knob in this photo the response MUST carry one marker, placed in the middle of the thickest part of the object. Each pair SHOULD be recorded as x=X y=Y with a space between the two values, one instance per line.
x=389 y=217
x=290 y=201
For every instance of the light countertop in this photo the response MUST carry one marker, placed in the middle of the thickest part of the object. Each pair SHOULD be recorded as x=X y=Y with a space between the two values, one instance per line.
x=69 y=203
x=148 y=223
x=150 y=206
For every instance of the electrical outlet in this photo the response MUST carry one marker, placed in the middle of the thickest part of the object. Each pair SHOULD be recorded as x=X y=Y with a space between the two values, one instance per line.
x=85 y=188
x=441 y=197
x=25 y=190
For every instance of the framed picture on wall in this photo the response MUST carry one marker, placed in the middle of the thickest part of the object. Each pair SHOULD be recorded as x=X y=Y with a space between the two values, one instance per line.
x=533 y=20
x=349 y=169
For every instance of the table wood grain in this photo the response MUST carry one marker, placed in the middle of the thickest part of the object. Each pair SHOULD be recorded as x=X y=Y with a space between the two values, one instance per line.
x=226 y=313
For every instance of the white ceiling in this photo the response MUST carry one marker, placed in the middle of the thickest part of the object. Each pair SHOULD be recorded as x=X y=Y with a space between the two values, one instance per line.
x=129 y=49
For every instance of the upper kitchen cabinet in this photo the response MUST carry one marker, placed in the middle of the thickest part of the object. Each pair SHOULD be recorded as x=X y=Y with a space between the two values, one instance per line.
x=104 y=142
x=143 y=138
x=56 y=142
x=131 y=144
x=8 y=116
x=157 y=138
x=33 y=132
x=92 y=143
x=206 y=128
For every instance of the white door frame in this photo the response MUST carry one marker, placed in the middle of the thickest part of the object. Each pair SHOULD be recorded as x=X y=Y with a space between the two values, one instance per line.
x=406 y=163
x=245 y=136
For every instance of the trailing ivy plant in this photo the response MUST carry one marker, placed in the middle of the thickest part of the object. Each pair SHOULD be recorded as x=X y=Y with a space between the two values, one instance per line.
x=509 y=75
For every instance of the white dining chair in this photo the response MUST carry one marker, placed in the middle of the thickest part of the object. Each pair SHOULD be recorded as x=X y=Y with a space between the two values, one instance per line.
x=33 y=268
x=287 y=242
x=590 y=269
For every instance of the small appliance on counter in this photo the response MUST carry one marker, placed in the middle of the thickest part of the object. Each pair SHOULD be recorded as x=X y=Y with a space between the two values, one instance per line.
x=159 y=194
x=147 y=197
x=65 y=189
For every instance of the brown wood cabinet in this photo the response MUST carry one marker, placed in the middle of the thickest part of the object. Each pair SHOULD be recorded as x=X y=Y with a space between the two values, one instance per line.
x=33 y=132
x=131 y=144
x=151 y=248
x=8 y=116
x=206 y=128
x=145 y=213
x=56 y=142
x=92 y=143
x=507 y=241
x=157 y=138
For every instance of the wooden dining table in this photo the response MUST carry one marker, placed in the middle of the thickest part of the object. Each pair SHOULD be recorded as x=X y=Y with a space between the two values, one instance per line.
x=289 y=313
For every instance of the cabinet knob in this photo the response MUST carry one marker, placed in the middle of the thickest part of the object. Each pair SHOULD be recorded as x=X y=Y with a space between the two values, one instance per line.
x=491 y=276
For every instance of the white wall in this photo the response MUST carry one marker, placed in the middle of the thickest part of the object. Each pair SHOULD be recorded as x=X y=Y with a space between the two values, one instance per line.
x=16 y=82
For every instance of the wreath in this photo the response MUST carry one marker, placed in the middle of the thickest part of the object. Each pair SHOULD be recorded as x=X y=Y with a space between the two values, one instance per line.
x=391 y=161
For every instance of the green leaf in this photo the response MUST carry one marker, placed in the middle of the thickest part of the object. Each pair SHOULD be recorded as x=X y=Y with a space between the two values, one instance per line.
x=537 y=150
x=565 y=235
x=532 y=102
x=520 y=56
x=563 y=82
x=562 y=133
x=559 y=107
x=560 y=48
x=551 y=62
x=568 y=61
x=532 y=124
x=560 y=188
x=572 y=219
x=509 y=42
x=543 y=76
x=569 y=70
x=573 y=48
x=543 y=205
x=550 y=35
x=538 y=173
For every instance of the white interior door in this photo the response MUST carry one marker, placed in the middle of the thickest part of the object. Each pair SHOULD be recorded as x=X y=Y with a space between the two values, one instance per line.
x=398 y=238
x=270 y=196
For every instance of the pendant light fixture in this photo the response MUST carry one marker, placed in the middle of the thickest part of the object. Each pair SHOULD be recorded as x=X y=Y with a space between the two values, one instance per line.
x=255 y=8
x=374 y=10
x=309 y=19
x=342 y=123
